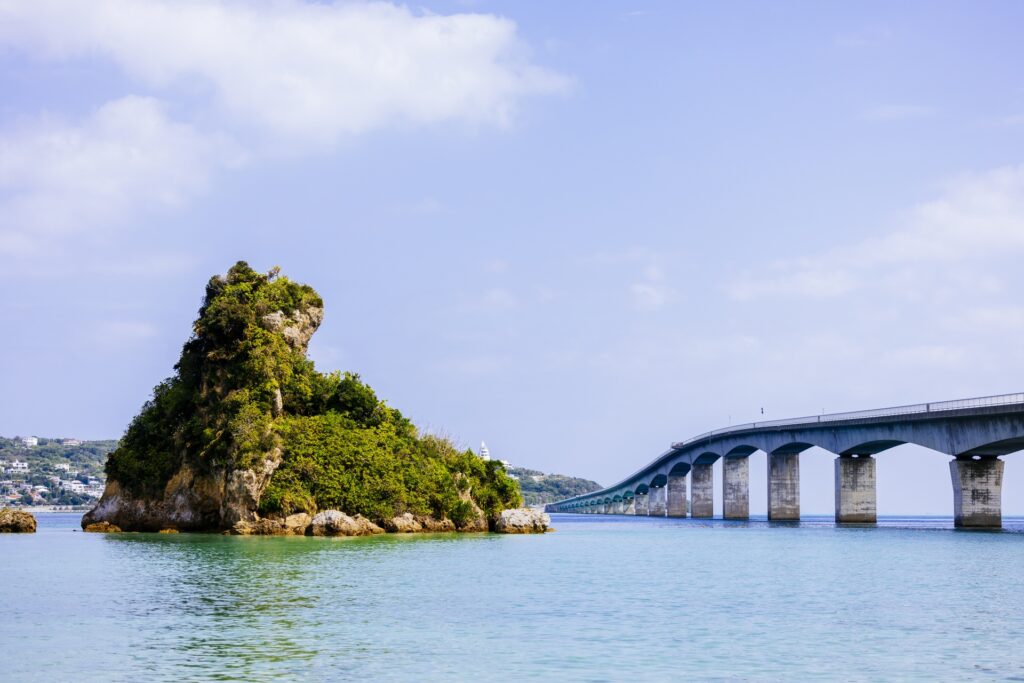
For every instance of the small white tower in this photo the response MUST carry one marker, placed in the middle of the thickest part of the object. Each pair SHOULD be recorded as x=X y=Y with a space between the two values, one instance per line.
x=484 y=452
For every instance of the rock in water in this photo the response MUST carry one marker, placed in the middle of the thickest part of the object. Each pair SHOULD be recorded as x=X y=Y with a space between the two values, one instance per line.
x=16 y=522
x=201 y=453
x=335 y=523
x=523 y=521
x=402 y=524
x=247 y=436
x=101 y=528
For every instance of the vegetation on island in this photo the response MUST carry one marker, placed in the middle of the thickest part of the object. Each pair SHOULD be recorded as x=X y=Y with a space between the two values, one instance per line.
x=244 y=391
x=540 y=489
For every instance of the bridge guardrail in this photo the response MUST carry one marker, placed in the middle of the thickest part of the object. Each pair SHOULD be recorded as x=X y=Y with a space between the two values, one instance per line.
x=913 y=409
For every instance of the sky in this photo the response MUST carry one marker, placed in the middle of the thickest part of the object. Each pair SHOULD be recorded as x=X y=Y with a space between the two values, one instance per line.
x=579 y=231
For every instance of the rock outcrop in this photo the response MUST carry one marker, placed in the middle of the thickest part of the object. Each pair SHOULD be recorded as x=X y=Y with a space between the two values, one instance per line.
x=16 y=522
x=523 y=521
x=101 y=528
x=191 y=501
x=335 y=523
x=246 y=432
x=402 y=524
x=292 y=525
x=205 y=493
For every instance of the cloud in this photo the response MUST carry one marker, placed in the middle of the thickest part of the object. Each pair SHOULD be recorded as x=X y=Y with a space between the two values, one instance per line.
x=58 y=179
x=652 y=293
x=979 y=217
x=495 y=300
x=301 y=72
x=897 y=112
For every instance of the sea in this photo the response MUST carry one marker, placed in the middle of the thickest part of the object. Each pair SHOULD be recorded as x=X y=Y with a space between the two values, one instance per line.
x=600 y=599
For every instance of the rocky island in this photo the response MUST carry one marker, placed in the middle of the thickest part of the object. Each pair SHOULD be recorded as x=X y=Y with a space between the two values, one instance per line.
x=248 y=437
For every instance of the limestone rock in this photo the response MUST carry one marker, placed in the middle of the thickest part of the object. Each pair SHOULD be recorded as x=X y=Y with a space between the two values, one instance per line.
x=402 y=524
x=297 y=523
x=298 y=328
x=168 y=531
x=477 y=521
x=191 y=501
x=102 y=528
x=522 y=521
x=335 y=523
x=292 y=525
x=435 y=525
x=16 y=522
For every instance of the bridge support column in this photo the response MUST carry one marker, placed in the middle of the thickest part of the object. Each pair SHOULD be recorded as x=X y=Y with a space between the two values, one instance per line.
x=977 y=492
x=735 y=488
x=702 y=491
x=629 y=506
x=855 y=490
x=656 y=502
x=676 y=495
x=641 y=504
x=783 y=486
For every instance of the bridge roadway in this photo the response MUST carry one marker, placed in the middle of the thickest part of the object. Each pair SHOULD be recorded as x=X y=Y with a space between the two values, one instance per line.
x=975 y=432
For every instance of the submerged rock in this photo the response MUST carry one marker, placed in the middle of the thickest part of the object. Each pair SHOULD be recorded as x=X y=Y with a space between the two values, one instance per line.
x=16 y=522
x=335 y=523
x=101 y=528
x=523 y=521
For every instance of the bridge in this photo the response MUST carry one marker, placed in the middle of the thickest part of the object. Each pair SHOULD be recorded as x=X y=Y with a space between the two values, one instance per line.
x=975 y=432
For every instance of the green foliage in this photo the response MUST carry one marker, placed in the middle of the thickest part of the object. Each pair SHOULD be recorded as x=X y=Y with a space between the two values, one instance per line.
x=380 y=469
x=243 y=389
x=539 y=488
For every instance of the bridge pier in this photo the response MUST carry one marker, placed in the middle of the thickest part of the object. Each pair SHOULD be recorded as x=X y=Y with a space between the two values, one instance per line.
x=641 y=504
x=977 y=492
x=657 y=501
x=783 y=486
x=629 y=506
x=702 y=491
x=676 y=495
x=856 y=498
x=735 y=488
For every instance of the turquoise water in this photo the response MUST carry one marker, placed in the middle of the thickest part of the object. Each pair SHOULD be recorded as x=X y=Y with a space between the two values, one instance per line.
x=601 y=599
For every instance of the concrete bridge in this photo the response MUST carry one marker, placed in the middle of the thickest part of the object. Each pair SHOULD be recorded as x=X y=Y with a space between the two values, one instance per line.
x=975 y=432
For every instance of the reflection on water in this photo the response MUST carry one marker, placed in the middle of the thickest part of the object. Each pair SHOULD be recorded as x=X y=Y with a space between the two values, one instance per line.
x=602 y=598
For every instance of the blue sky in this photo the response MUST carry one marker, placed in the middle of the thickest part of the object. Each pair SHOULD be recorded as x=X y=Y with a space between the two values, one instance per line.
x=577 y=230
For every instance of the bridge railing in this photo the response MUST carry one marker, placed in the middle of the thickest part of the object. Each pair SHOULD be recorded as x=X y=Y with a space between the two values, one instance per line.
x=914 y=409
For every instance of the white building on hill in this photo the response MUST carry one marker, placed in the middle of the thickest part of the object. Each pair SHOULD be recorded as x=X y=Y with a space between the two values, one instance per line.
x=30 y=441
x=485 y=453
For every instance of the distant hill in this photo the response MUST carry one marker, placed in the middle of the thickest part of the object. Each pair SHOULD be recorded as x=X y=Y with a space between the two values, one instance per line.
x=539 y=488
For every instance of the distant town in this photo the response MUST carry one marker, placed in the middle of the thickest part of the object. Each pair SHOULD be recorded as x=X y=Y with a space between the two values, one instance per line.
x=37 y=471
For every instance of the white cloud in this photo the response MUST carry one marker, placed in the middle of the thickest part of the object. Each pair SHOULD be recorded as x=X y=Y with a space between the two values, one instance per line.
x=57 y=179
x=652 y=293
x=497 y=300
x=978 y=218
x=302 y=72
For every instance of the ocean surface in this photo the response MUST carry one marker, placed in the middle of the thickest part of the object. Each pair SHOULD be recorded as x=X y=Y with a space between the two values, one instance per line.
x=603 y=598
